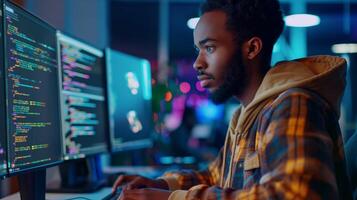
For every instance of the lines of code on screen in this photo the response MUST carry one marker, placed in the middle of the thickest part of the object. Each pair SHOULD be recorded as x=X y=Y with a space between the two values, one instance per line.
x=84 y=99
x=32 y=90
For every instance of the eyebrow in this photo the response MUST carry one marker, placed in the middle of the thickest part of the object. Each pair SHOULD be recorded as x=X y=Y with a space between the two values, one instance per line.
x=204 y=41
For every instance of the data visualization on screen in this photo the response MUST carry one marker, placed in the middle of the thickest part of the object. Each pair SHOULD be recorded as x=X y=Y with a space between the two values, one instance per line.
x=32 y=87
x=3 y=165
x=84 y=102
x=129 y=93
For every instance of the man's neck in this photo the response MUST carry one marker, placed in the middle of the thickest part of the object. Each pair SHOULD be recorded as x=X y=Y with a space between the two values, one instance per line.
x=250 y=91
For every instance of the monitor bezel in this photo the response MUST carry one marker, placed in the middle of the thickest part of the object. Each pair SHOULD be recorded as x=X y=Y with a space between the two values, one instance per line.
x=3 y=94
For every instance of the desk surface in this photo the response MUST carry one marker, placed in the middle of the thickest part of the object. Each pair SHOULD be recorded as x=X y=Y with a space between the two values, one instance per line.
x=55 y=196
x=151 y=172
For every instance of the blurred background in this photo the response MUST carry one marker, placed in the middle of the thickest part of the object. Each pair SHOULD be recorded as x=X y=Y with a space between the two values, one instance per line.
x=187 y=124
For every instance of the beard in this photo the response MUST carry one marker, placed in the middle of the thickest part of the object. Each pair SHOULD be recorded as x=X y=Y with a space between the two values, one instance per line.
x=234 y=81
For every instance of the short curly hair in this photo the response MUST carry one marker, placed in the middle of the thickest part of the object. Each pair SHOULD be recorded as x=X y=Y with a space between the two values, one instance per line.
x=250 y=18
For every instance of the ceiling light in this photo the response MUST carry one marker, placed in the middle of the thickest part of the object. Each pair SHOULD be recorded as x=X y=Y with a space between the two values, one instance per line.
x=302 y=20
x=344 y=48
x=191 y=23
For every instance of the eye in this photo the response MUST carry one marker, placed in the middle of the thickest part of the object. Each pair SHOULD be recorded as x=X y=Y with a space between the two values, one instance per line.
x=197 y=50
x=210 y=49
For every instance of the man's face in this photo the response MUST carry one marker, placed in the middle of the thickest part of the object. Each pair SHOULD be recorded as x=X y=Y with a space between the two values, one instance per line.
x=219 y=61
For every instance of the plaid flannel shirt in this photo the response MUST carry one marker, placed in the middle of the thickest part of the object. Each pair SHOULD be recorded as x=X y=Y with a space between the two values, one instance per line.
x=298 y=142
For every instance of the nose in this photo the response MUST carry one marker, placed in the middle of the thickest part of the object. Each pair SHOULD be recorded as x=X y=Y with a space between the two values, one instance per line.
x=199 y=63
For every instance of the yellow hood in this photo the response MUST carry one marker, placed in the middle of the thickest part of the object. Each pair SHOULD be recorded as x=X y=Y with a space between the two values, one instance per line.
x=324 y=75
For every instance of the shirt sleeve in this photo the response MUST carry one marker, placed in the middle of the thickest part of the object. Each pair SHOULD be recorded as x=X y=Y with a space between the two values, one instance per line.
x=297 y=157
x=185 y=179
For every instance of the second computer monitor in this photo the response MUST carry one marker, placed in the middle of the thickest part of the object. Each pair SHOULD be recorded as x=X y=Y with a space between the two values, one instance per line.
x=129 y=97
x=84 y=111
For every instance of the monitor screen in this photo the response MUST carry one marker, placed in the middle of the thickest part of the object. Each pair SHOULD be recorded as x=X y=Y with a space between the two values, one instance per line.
x=129 y=96
x=3 y=162
x=32 y=88
x=84 y=109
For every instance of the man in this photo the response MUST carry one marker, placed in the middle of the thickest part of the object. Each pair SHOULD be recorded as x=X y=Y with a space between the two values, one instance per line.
x=284 y=142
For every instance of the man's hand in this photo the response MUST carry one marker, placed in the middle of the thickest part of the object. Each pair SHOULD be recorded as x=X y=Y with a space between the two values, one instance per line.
x=130 y=182
x=206 y=192
x=145 y=194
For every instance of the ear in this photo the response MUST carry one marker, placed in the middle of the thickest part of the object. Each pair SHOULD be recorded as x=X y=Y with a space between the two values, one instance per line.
x=253 y=47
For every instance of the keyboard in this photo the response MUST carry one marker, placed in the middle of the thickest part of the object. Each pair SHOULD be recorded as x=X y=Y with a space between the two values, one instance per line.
x=113 y=196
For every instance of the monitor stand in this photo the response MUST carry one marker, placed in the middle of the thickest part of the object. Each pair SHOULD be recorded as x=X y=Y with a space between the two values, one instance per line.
x=33 y=185
x=79 y=176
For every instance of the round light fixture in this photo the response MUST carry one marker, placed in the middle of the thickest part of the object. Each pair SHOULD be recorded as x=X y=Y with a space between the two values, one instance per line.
x=191 y=23
x=344 y=48
x=302 y=20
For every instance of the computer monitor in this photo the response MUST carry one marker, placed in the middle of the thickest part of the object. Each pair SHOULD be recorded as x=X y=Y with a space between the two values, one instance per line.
x=84 y=116
x=31 y=75
x=84 y=108
x=3 y=159
x=32 y=90
x=129 y=99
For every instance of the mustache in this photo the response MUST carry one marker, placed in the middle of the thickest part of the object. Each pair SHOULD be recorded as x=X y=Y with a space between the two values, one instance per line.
x=202 y=73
